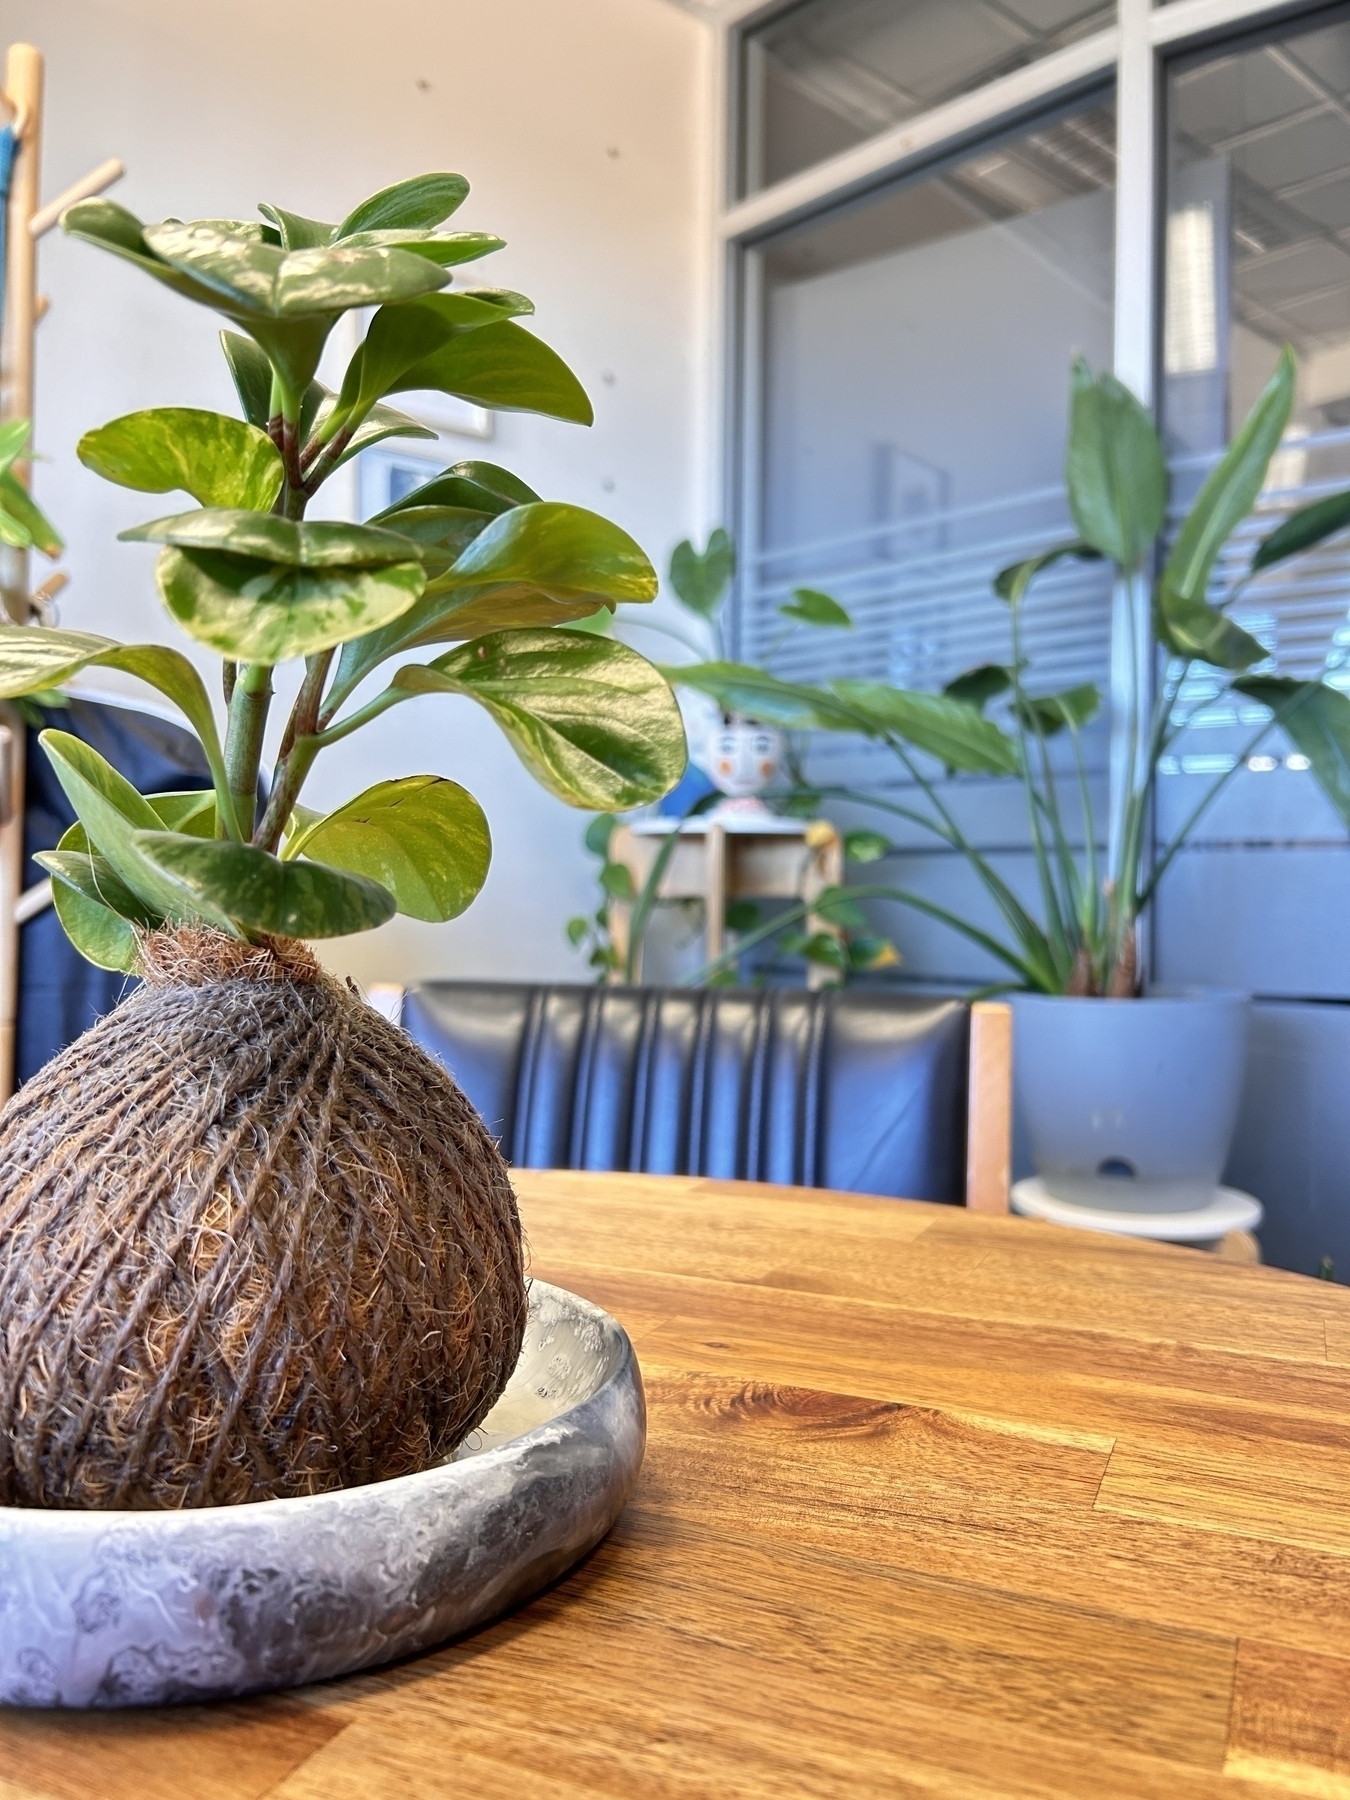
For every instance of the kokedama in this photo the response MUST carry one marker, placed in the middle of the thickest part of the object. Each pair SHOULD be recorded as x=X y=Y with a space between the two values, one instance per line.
x=253 y=1243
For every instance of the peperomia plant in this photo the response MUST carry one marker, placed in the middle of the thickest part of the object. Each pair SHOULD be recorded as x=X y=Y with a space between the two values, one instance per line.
x=472 y=558
x=1084 y=941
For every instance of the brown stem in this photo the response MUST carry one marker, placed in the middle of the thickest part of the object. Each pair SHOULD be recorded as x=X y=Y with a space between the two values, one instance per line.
x=292 y=766
x=1080 y=980
x=1124 y=982
x=324 y=460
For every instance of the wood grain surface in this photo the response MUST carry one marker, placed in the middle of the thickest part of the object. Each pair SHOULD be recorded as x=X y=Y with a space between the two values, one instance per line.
x=934 y=1504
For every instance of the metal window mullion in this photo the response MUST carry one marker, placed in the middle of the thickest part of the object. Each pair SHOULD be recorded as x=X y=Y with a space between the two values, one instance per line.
x=1135 y=363
x=1024 y=92
x=749 y=498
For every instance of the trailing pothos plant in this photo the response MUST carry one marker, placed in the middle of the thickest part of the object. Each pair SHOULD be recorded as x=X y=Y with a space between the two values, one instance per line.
x=472 y=559
x=701 y=581
x=23 y=524
x=1084 y=940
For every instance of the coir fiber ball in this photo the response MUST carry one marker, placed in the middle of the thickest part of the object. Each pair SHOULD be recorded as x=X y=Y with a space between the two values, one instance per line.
x=253 y=1243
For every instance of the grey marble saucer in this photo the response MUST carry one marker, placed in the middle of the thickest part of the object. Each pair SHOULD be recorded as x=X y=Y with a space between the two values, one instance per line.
x=143 y=1608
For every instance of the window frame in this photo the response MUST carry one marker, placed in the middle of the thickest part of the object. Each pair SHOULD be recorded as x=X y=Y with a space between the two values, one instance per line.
x=1133 y=51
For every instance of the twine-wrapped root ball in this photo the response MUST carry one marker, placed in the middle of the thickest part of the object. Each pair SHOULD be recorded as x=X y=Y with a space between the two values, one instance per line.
x=253 y=1243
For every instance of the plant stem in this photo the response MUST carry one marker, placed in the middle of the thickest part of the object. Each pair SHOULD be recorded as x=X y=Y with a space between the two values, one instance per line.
x=249 y=704
x=324 y=461
x=822 y=905
x=299 y=747
x=1216 y=788
x=1092 y=906
x=332 y=734
x=1060 y=948
x=1033 y=940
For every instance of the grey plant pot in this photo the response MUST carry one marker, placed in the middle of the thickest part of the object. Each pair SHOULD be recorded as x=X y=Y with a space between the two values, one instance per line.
x=149 y=1608
x=1130 y=1104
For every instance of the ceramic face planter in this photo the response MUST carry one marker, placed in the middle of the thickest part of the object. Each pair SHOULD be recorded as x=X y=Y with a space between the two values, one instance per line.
x=744 y=758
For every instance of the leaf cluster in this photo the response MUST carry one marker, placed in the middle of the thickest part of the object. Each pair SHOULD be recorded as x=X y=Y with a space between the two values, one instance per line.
x=1116 y=479
x=473 y=560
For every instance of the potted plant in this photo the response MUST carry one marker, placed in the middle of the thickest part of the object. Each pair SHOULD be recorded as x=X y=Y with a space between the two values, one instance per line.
x=253 y=1243
x=737 y=758
x=1113 y=1085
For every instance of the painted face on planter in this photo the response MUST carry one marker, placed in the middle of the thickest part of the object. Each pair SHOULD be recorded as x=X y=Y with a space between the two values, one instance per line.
x=744 y=758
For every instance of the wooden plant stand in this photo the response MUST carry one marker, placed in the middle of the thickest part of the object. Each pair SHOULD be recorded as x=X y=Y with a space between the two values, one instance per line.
x=736 y=857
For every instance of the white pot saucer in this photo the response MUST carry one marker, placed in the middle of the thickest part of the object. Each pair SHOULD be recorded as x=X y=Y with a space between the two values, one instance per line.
x=1229 y=1210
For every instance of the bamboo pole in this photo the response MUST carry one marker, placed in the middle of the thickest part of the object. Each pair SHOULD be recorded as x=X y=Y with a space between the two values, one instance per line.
x=23 y=92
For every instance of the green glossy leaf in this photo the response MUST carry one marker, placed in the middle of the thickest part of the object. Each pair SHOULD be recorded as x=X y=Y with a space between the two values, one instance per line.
x=298 y=543
x=474 y=486
x=295 y=231
x=84 y=886
x=1302 y=529
x=192 y=810
x=740 y=688
x=442 y=533
x=839 y=906
x=19 y=509
x=1316 y=720
x=253 y=611
x=96 y=908
x=592 y=721
x=811 y=607
x=449 y=250
x=1193 y=629
x=95 y=878
x=260 y=892
x=617 y=881
x=700 y=578
x=952 y=730
x=423 y=838
x=111 y=227
x=14 y=434
x=1113 y=469
x=863 y=846
x=221 y=462
x=1222 y=504
x=255 y=280
x=400 y=337
x=543 y=563
x=504 y=367
x=112 y=812
x=1011 y=584
x=1074 y=707
x=978 y=686
x=598 y=833
x=416 y=204
x=252 y=376
x=287 y=301
x=34 y=658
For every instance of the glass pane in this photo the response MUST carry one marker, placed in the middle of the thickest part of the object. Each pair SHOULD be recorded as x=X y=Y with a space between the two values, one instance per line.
x=915 y=377
x=1257 y=255
x=830 y=73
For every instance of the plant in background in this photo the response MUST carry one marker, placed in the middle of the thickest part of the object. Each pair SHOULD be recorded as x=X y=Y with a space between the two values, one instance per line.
x=1084 y=941
x=23 y=525
x=306 y=1263
x=701 y=582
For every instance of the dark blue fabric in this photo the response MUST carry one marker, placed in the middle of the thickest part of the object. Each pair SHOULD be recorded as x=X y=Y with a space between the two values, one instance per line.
x=60 y=994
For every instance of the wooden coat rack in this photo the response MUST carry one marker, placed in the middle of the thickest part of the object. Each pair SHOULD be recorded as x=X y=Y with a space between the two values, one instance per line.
x=26 y=222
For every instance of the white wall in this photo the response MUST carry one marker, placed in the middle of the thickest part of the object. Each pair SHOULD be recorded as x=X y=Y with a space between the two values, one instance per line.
x=583 y=127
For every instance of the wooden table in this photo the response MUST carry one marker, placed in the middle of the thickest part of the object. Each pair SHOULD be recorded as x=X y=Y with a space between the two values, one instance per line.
x=934 y=1504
